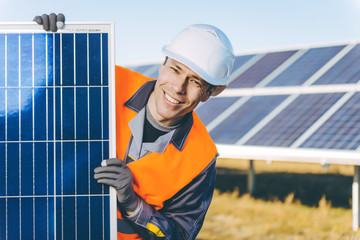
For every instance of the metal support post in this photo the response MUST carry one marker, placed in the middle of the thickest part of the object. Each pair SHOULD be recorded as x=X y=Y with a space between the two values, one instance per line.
x=355 y=198
x=251 y=178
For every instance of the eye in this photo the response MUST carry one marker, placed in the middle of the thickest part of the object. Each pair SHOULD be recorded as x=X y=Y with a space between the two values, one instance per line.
x=175 y=69
x=196 y=82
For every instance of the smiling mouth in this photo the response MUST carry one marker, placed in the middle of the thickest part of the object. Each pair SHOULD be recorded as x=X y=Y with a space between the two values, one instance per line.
x=170 y=99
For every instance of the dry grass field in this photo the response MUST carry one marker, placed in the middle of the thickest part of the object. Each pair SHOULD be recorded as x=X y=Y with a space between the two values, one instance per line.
x=292 y=201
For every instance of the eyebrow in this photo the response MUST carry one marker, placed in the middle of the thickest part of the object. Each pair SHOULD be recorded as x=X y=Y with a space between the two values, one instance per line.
x=177 y=66
x=194 y=76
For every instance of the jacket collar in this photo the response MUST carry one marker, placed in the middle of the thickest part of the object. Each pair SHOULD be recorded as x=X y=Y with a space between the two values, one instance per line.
x=138 y=101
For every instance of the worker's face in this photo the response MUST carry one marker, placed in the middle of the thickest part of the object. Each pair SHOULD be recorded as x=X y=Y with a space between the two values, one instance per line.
x=177 y=92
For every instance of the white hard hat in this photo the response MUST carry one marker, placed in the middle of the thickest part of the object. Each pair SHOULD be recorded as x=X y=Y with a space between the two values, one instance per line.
x=206 y=50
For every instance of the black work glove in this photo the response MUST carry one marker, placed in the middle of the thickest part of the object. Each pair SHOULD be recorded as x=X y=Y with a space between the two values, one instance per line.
x=50 y=22
x=119 y=176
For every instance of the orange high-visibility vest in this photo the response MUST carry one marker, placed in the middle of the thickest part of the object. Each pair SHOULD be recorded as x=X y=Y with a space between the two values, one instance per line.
x=158 y=177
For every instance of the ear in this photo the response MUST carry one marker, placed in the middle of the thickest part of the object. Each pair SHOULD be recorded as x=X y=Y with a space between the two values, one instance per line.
x=207 y=94
x=218 y=89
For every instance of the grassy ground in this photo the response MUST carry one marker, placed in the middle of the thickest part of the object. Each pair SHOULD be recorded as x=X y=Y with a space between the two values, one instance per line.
x=292 y=201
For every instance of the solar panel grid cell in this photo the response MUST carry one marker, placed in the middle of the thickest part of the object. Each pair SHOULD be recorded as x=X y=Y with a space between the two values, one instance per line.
x=2 y=113
x=67 y=60
x=12 y=57
x=95 y=78
x=26 y=59
x=39 y=59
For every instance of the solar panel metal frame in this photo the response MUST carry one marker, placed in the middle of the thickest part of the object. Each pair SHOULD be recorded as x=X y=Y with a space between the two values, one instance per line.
x=292 y=154
x=86 y=27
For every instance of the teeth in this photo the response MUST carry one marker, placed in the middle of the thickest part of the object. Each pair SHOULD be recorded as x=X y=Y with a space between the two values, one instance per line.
x=171 y=99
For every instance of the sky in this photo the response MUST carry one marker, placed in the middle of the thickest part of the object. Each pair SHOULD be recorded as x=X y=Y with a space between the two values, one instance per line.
x=143 y=27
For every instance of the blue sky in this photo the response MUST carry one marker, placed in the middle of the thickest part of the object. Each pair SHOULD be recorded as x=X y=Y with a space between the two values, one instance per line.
x=143 y=27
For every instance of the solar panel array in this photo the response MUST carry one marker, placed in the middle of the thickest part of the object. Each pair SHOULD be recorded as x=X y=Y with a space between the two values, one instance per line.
x=301 y=98
x=54 y=130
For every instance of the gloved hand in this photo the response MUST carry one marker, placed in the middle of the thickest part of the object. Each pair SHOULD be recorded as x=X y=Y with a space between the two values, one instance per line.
x=119 y=176
x=50 y=22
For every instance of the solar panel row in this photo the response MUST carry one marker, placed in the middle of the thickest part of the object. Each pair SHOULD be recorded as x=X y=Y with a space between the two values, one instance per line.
x=54 y=130
x=313 y=120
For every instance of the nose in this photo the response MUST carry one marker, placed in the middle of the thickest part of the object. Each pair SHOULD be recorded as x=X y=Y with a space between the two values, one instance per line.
x=180 y=84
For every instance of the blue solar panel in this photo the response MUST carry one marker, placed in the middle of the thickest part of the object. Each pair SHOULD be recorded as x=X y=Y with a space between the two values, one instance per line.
x=246 y=117
x=305 y=66
x=294 y=120
x=54 y=130
x=261 y=69
x=345 y=71
x=341 y=131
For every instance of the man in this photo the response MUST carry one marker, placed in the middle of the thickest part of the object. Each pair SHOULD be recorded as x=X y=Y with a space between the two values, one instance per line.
x=165 y=171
